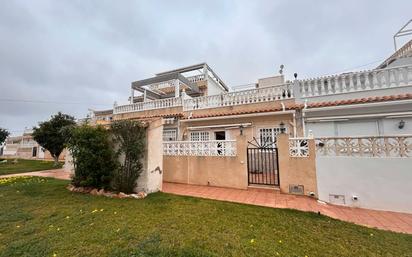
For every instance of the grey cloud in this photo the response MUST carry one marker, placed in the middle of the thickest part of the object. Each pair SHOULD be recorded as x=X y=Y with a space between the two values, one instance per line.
x=88 y=52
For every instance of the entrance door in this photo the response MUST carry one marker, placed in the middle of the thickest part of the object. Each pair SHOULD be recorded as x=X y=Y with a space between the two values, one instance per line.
x=263 y=166
x=34 y=152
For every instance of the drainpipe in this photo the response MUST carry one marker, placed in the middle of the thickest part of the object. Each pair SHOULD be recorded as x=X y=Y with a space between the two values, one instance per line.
x=303 y=117
x=294 y=124
x=283 y=106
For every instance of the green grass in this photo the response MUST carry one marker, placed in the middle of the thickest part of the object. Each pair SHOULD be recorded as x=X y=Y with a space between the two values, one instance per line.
x=26 y=166
x=39 y=217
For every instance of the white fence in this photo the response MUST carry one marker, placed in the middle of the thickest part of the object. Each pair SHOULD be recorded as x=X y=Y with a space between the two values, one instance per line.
x=373 y=146
x=200 y=148
x=149 y=105
x=250 y=96
x=367 y=172
x=356 y=81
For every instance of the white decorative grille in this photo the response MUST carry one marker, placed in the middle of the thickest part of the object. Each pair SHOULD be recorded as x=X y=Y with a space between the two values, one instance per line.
x=199 y=136
x=267 y=136
x=200 y=148
x=374 y=146
x=169 y=135
x=298 y=147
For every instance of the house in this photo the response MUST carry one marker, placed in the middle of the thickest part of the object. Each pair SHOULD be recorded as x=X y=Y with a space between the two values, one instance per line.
x=25 y=147
x=275 y=132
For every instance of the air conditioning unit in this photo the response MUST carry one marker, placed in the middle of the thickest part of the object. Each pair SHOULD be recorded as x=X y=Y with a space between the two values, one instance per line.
x=296 y=189
x=337 y=199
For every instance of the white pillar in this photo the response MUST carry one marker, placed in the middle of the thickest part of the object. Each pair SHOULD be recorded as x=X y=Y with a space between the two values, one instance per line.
x=131 y=96
x=177 y=88
x=144 y=95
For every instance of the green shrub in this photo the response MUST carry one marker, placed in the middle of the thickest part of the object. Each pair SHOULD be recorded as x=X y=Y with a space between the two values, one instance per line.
x=93 y=156
x=130 y=138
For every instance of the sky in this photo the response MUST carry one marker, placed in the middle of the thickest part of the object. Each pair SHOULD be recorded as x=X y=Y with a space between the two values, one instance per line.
x=74 y=55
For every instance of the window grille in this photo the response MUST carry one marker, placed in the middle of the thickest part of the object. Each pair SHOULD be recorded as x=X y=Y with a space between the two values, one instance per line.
x=169 y=135
x=199 y=136
x=267 y=136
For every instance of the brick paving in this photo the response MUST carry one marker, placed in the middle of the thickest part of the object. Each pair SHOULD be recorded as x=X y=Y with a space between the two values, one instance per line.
x=394 y=221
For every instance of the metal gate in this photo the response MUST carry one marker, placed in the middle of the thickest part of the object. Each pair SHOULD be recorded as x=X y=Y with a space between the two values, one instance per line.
x=263 y=165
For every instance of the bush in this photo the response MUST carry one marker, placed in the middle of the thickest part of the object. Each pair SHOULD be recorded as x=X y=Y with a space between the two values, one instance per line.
x=130 y=139
x=93 y=156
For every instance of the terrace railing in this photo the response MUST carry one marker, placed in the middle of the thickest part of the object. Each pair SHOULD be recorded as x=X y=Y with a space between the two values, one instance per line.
x=250 y=96
x=149 y=105
x=356 y=81
x=200 y=148
x=371 y=146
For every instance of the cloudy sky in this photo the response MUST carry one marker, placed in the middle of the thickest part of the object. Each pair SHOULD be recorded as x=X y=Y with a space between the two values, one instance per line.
x=73 y=55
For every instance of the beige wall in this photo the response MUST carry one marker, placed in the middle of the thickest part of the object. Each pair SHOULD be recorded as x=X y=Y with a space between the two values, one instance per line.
x=296 y=170
x=209 y=170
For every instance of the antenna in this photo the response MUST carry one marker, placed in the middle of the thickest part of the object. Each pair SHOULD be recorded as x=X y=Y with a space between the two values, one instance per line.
x=402 y=32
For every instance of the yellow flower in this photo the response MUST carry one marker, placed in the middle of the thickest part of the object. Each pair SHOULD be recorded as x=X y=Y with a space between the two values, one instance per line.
x=280 y=241
x=58 y=229
x=95 y=210
x=54 y=254
x=67 y=217
x=115 y=212
x=101 y=209
x=17 y=226
x=371 y=234
x=118 y=230
x=252 y=241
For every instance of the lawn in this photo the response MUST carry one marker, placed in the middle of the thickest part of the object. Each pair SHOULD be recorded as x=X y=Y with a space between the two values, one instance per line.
x=25 y=166
x=39 y=217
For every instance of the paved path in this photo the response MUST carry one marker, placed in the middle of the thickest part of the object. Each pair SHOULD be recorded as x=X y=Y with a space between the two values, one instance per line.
x=57 y=173
x=395 y=221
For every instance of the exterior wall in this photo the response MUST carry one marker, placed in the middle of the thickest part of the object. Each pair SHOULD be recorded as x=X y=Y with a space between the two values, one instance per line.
x=379 y=183
x=150 y=179
x=208 y=170
x=272 y=120
x=296 y=170
x=271 y=81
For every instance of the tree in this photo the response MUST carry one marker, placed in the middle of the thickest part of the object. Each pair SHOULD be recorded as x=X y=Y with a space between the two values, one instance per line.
x=50 y=134
x=93 y=155
x=130 y=140
x=3 y=135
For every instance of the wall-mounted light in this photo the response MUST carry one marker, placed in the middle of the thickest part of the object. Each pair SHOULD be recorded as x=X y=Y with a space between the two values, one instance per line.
x=241 y=129
x=401 y=124
x=282 y=127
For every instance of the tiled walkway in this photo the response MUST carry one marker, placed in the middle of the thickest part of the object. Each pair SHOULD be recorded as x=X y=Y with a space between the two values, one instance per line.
x=399 y=222
x=57 y=173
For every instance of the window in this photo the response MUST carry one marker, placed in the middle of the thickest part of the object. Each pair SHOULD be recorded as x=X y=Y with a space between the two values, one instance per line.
x=169 y=135
x=199 y=136
x=267 y=136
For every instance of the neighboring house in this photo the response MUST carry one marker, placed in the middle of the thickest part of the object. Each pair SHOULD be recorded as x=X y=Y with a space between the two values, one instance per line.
x=26 y=147
x=259 y=135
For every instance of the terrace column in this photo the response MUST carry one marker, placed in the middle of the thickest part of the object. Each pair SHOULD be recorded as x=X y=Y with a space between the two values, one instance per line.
x=177 y=88
x=131 y=96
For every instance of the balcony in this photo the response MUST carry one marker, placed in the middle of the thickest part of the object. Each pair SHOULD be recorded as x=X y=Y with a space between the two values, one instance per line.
x=200 y=148
x=258 y=95
x=356 y=82
x=148 y=105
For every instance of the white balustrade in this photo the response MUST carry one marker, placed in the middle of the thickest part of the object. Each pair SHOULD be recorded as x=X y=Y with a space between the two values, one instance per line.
x=149 y=105
x=373 y=146
x=250 y=96
x=200 y=148
x=356 y=81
